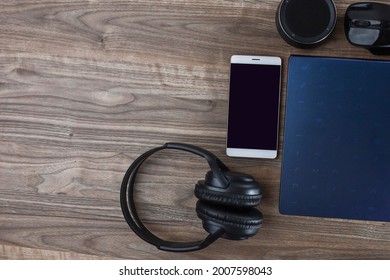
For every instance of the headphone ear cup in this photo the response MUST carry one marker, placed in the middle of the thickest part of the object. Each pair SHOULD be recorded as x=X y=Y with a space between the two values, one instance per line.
x=225 y=198
x=243 y=190
x=238 y=223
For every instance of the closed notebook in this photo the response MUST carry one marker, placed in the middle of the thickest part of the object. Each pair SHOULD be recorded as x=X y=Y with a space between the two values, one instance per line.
x=336 y=148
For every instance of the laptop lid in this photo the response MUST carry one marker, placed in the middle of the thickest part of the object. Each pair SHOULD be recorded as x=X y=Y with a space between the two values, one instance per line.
x=336 y=150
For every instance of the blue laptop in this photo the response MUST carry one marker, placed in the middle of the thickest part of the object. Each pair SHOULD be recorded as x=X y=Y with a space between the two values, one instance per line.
x=336 y=148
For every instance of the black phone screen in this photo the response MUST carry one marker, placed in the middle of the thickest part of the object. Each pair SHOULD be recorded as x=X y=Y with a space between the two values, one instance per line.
x=253 y=106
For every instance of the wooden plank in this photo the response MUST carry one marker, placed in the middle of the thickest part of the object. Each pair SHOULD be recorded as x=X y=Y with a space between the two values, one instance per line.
x=87 y=86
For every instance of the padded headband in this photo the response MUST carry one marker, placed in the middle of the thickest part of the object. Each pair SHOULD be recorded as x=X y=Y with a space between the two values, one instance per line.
x=130 y=212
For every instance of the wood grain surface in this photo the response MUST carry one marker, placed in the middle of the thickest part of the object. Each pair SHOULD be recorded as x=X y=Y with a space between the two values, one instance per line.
x=87 y=86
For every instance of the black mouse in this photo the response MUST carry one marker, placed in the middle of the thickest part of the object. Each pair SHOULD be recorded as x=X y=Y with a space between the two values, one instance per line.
x=367 y=24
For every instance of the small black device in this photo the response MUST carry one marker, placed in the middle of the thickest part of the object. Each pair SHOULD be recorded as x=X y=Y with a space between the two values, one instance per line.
x=226 y=202
x=367 y=24
x=253 y=115
x=305 y=23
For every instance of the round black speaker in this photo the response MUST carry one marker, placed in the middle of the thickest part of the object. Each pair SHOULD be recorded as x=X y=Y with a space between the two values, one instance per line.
x=305 y=23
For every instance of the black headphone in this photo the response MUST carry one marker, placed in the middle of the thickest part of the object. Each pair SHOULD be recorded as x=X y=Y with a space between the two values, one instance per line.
x=226 y=202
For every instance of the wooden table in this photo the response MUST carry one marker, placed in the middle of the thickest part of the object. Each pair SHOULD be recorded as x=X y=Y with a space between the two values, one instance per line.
x=87 y=86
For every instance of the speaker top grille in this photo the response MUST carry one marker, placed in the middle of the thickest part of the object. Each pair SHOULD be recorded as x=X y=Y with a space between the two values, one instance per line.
x=306 y=22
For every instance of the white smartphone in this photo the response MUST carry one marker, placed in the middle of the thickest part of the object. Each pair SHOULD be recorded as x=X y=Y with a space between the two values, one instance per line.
x=254 y=102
